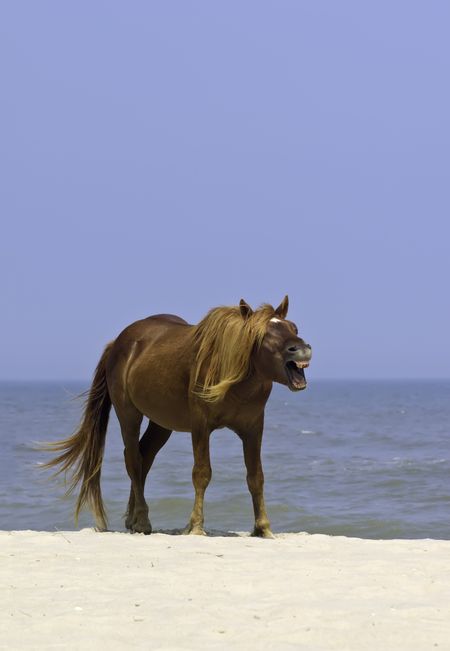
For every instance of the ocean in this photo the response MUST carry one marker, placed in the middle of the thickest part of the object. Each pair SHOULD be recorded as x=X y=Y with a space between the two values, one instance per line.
x=368 y=459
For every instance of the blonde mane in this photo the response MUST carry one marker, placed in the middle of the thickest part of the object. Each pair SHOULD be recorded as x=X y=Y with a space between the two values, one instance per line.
x=225 y=341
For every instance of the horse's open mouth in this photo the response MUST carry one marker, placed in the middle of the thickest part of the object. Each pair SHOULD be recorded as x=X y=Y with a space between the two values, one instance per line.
x=296 y=375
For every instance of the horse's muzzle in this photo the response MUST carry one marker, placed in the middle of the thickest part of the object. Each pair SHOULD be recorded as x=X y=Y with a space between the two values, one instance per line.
x=296 y=360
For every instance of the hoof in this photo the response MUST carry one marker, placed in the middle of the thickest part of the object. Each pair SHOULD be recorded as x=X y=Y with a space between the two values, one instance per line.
x=145 y=529
x=141 y=527
x=194 y=531
x=262 y=533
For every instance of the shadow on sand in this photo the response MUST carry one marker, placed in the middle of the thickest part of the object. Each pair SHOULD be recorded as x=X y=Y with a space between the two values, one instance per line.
x=211 y=533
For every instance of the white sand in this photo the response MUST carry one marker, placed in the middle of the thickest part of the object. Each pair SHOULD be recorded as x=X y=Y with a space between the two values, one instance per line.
x=87 y=590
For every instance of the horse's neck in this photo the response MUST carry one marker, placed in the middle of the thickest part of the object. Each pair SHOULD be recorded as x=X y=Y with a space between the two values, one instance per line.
x=253 y=388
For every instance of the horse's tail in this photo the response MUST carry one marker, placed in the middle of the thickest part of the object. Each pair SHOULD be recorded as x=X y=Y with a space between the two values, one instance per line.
x=82 y=453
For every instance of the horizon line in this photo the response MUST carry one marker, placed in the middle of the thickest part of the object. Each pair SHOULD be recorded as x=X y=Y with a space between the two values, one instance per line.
x=316 y=379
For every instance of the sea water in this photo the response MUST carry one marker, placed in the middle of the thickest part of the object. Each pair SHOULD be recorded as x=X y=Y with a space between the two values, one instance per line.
x=357 y=458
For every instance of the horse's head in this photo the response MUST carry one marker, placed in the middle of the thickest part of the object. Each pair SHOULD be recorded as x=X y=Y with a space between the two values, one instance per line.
x=282 y=355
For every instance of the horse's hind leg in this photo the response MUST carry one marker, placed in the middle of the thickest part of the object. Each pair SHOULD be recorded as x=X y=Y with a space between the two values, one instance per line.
x=154 y=438
x=130 y=420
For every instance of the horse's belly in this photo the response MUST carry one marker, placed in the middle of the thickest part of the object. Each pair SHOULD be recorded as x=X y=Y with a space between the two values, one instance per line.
x=177 y=422
x=168 y=408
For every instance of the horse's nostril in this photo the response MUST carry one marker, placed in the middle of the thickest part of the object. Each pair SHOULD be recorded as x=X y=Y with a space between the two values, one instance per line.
x=303 y=349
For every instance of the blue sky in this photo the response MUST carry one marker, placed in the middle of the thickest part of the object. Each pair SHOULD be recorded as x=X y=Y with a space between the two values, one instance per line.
x=174 y=156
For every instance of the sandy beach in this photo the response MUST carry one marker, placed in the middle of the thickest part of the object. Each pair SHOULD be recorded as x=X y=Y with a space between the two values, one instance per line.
x=83 y=590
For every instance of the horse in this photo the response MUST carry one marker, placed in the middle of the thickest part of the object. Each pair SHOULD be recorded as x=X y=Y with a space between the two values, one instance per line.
x=189 y=378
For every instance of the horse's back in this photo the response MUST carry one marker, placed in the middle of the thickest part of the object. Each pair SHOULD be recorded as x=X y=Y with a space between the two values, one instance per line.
x=168 y=318
x=148 y=334
x=149 y=328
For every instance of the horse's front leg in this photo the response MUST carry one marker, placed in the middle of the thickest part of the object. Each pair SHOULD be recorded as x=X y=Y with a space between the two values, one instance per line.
x=255 y=481
x=201 y=476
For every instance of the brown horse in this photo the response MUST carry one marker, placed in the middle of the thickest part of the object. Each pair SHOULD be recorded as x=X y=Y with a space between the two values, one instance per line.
x=187 y=378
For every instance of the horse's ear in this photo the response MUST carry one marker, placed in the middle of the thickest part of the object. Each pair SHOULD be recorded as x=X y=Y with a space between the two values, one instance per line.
x=245 y=308
x=282 y=309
